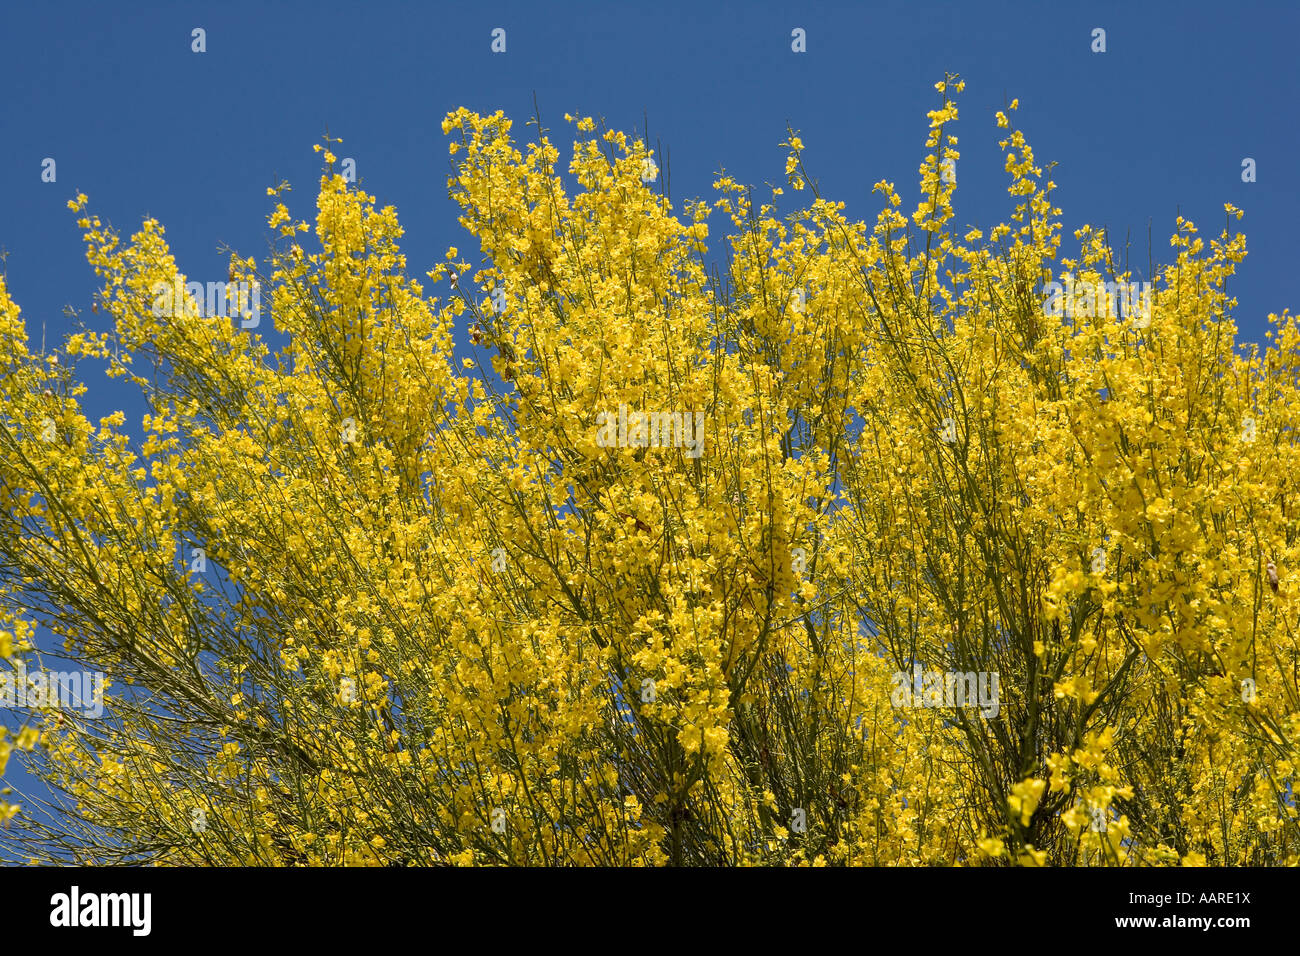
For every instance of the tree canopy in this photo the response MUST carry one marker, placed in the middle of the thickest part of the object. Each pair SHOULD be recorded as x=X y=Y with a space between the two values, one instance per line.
x=362 y=602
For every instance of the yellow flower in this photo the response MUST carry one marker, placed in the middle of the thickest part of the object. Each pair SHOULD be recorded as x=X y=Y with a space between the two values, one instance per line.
x=671 y=540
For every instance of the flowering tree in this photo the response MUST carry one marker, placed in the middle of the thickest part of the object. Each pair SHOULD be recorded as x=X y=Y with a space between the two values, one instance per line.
x=853 y=551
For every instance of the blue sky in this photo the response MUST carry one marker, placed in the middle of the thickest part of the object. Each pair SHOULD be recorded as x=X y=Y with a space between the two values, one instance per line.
x=1156 y=126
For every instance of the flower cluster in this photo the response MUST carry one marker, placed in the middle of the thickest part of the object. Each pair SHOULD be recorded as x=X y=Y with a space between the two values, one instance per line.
x=363 y=601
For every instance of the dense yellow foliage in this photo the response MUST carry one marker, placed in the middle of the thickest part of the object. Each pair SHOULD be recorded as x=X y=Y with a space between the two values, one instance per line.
x=442 y=622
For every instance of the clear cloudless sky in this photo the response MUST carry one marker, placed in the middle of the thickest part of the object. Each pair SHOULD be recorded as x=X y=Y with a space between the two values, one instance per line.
x=1157 y=125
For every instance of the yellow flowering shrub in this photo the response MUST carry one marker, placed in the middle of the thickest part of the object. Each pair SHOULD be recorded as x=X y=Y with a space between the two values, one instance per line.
x=363 y=603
